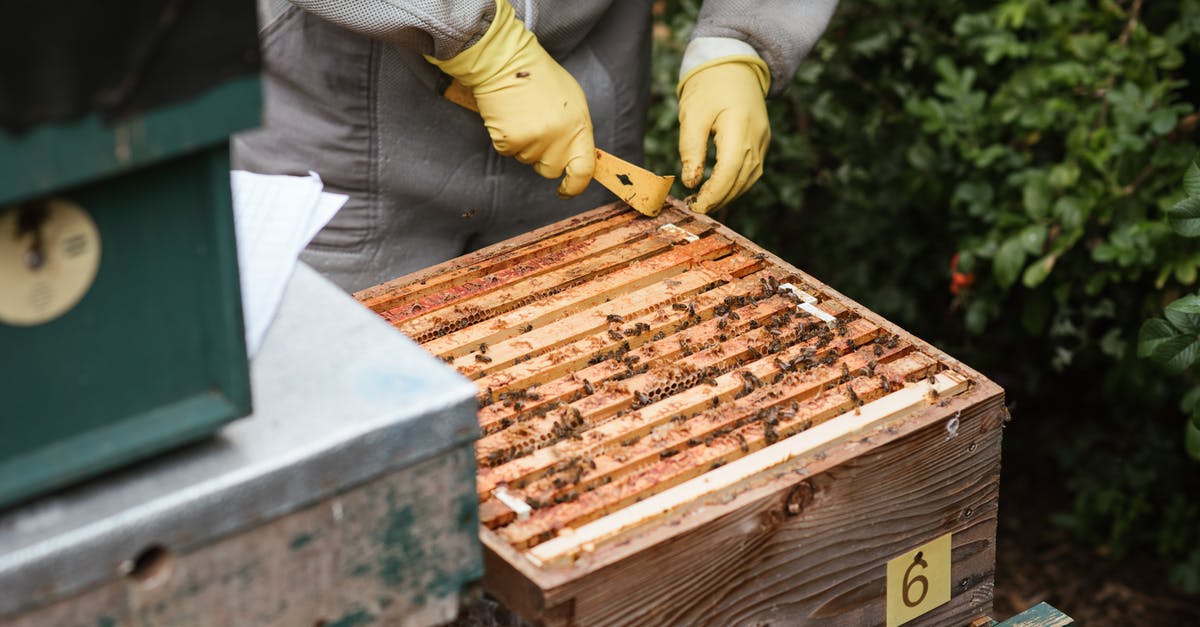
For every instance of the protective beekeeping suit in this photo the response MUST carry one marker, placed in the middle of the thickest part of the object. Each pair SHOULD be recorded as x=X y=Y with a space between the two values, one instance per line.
x=353 y=91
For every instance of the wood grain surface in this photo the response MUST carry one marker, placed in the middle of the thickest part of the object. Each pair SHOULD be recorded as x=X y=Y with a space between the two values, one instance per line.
x=675 y=441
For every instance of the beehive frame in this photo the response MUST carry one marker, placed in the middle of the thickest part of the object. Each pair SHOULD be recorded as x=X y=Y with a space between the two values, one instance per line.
x=648 y=380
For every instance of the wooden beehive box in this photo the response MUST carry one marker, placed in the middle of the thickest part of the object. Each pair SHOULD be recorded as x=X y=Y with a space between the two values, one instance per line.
x=678 y=427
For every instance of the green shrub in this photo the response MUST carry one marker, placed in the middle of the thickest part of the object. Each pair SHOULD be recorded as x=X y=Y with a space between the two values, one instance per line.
x=1173 y=342
x=1037 y=145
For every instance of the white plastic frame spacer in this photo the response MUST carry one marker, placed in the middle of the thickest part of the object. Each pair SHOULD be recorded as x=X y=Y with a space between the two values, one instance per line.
x=518 y=506
x=675 y=230
x=808 y=302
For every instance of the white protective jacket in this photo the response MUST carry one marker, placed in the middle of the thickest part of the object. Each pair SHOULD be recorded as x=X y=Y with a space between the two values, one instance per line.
x=348 y=95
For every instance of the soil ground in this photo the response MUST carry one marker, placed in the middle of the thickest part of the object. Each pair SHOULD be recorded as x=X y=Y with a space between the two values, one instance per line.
x=1036 y=561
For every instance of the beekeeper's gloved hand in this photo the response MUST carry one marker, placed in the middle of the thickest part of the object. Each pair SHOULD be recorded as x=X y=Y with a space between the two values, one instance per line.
x=723 y=95
x=533 y=109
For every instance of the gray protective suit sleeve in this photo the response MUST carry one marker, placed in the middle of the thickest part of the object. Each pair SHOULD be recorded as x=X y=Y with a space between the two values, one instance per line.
x=781 y=31
x=441 y=28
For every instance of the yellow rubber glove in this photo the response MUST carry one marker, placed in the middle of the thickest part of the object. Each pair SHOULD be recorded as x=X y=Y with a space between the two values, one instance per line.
x=533 y=109
x=724 y=97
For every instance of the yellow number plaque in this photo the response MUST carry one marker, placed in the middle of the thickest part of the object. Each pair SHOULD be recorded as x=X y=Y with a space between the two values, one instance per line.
x=918 y=581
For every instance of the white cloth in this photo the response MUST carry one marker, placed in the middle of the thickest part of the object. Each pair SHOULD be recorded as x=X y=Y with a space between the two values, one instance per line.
x=275 y=217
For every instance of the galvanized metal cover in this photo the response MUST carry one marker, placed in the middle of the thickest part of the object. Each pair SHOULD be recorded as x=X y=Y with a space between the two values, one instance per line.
x=340 y=398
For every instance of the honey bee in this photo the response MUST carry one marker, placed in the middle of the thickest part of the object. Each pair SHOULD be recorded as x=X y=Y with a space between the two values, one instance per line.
x=483 y=359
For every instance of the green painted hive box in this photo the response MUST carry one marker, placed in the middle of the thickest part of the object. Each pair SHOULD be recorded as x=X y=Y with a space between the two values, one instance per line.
x=120 y=312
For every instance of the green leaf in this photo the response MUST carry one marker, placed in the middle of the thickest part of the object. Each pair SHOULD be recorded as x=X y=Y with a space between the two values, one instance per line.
x=1191 y=180
x=1191 y=440
x=1070 y=212
x=1162 y=121
x=1153 y=333
x=1038 y=271
x=1190 y=402
x=1177 y=354
x=1184 y=313
x=1036 y=198
x=1033 y=238
x=1185 y=216
x=1185 y=272
x=976 y=317
x=1112 y=344
x=1064 y=175
x=1009 y=259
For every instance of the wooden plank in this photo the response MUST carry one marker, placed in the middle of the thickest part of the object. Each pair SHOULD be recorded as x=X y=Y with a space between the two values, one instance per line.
x=639 y=275
x=581 y=360
x=1041 y=615
x=662 y=317
x=583 y=419
x=495 y=258
x=774 y=550
x=652 y=386
x=566 y=343
x=708 y=428
x=377 y=553
x=629 y=506
x=651 y=443
x=437 y=314
x=545 y=329
x=661 y=412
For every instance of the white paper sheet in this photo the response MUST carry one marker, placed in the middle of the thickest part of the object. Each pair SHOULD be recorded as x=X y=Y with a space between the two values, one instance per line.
x=275 y=218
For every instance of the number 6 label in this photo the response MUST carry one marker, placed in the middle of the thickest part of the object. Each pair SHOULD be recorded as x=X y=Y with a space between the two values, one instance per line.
x=918 y=581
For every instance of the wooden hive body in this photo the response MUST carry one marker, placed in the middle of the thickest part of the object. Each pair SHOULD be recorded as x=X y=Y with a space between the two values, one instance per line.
x=673 y=435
